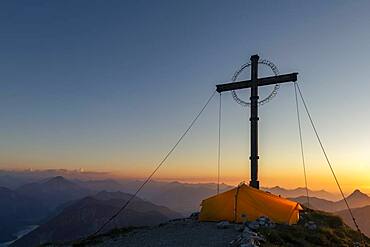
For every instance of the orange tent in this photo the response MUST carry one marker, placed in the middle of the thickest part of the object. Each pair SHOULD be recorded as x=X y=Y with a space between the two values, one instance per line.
x=247 y=203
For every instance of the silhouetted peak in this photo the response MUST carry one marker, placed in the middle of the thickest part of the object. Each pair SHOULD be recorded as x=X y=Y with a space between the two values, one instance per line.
x=357 y=194
x=58 y=180
x=277 y=188
x=105 y=195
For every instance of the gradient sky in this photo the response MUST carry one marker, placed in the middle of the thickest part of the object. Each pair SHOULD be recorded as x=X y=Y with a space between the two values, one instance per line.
x=111 y=85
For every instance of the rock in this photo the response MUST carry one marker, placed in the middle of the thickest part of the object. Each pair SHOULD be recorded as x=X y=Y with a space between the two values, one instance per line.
x=250 y=243
x=244 y=245
x=247 y=233
x=254 y=225
x=310 y=225
x=249 y=238
x=194 y=216
x=263 y=218
x=235 y=242
x=258 y=238
x=239 y=227
x=264 y=221
x=223 y=225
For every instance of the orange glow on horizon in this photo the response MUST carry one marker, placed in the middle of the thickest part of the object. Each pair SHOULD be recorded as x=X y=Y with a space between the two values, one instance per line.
x=319 y=176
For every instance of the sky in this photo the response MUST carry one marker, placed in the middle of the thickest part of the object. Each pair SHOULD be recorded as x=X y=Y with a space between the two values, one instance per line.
x=111 y=86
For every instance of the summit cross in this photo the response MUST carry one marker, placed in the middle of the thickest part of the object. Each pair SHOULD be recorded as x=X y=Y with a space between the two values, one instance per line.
x=253 y=84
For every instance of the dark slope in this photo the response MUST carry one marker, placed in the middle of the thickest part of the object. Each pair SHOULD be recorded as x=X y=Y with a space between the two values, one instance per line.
x=85 y=216
x=17 y=210
x=355 y=200
x=317 y=203
x=330 y=232
x=362 y=216
x=53 y=192
x=358 y=201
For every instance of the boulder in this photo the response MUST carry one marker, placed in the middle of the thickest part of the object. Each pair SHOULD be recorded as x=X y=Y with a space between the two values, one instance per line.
x=250 y=243
x=194 y=216
x=239 y=227
x=265 y=221
x=310 y=225
x=223 y=225
x=247 y=233
x=254 y=225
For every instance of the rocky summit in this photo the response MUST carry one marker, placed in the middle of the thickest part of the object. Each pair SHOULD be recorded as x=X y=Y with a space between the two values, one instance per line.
x=315 y=228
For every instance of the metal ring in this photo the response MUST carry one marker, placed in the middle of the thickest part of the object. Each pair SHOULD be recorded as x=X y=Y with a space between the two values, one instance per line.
x=270 y=96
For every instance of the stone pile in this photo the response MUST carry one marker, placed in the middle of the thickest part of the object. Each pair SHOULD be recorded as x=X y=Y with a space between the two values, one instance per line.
x=194 y=216
x=262 y=221
x=310 y=225
x=223 y=225
x=249 y=237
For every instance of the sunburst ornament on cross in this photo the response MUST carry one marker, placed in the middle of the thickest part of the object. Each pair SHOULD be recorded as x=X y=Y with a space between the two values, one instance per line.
x=274 y=70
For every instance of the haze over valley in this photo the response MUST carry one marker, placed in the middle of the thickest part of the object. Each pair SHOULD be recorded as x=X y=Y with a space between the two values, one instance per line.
x=67 y=205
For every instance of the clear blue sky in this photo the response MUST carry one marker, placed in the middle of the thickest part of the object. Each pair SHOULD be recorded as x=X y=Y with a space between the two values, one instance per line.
x=110 y=85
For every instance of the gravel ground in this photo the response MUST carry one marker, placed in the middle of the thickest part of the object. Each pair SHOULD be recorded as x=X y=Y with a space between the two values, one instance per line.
x=185 y=232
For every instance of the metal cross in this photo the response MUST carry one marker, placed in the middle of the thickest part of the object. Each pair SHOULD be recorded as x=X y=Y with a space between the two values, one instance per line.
x=253 y=84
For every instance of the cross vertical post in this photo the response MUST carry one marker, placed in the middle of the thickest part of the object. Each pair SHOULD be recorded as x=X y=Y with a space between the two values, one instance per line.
x=253 y=84
x=254 y=123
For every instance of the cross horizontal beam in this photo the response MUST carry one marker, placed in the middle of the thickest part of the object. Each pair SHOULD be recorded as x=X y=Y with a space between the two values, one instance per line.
x=260 y=82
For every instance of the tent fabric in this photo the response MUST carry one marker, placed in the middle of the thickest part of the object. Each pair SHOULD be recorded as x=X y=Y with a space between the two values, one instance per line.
x=247 y=203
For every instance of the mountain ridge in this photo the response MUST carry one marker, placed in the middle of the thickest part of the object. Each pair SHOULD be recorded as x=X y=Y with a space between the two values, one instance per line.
x=184 y=198
x=330 y=231
x=362 y=216
x=85 y=216
x=356 y=199
x=53 y=191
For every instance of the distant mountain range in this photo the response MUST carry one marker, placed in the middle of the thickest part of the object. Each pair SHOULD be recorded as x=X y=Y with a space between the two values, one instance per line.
x=100 y=185
x=300 y=191
x=37 y=199
x=33 y=202
x=181 y=197
x=355 y=200
x=14 y=178
x=86 y=215
x=53 y=192
x=186 y=198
